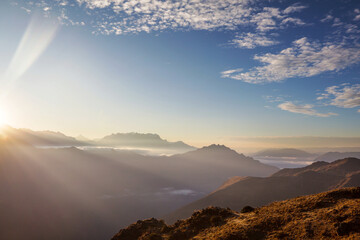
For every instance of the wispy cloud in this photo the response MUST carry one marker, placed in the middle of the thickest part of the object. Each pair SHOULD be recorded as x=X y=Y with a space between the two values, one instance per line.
x=344 y=96
x=252 y=40
x=327 y=18
x=303 y=59
x=303 y=109
x=297 y=7
x=357 y=14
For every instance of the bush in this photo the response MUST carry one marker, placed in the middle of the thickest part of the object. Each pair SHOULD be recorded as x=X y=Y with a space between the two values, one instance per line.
x=247 y=209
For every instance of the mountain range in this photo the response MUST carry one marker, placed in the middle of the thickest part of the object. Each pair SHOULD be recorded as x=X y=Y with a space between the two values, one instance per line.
x=69 y=193
x=118 y=140
x=286 y=183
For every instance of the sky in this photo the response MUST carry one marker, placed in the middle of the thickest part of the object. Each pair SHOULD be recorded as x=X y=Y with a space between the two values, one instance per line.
x=201 y=71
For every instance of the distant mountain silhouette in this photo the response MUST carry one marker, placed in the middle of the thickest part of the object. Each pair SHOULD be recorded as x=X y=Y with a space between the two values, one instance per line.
x=39 y=138
x=286 y=183
x=147 y=140
x=284 y=152
x=124 y=140
x=90 y=194
x=206 y=168
x=332 y=156
x=328 y=215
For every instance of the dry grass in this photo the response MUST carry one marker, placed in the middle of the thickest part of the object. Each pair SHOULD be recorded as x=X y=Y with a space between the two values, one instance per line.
x=329 y=215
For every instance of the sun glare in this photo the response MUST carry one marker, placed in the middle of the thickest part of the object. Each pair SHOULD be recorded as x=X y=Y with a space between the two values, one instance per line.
x=2 y=118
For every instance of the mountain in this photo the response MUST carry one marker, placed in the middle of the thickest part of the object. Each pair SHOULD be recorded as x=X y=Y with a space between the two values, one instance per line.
x=329 y=215
x=133 y=141
x=332 y=156
x=68 y=193
x=206 y=168
x=141 y=140
x=284 y=153
x=286 y=183
x=39 y=138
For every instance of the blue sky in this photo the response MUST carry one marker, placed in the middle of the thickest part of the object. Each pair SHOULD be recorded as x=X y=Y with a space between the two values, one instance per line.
x=199 y=71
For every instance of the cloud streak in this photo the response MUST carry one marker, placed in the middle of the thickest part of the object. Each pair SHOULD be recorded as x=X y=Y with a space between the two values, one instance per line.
x=252 y=40
x=303 y=109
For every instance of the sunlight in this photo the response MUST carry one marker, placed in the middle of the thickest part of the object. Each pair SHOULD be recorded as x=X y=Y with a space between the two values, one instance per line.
x=3 y=119
x=37 y=37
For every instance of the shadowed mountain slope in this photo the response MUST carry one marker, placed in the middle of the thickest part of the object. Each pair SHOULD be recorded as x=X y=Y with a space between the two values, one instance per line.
x=329 y=215
x=287 y=183
x=332 y=156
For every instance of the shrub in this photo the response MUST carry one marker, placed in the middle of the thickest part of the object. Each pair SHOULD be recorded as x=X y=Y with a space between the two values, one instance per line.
x=247 y=209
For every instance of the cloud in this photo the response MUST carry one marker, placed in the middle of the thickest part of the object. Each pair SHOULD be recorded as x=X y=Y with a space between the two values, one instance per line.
x=145 y=15
x=327 y=18
x=303 y=59
x=228 y=73
x=343 y=96
x=303 y=109
x=357 y=16
x=133 y=16
x=273 y=18
x=252 y=40
x=294 y=8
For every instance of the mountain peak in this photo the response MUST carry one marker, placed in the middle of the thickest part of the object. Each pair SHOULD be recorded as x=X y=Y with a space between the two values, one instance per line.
x=216 y=147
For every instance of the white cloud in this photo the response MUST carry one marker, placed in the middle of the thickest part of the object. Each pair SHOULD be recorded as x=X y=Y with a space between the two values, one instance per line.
x=132 y=16
x=228 y=73
x=273 y=18
x=357 y=16
x=344 y=96
x=294 y=8
x=303 y=109
x=252 y=40
x=327 y=18
x=303 y=59
x=154 y=15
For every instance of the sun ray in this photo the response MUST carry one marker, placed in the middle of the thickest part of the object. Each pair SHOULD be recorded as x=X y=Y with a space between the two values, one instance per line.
x=37 y=37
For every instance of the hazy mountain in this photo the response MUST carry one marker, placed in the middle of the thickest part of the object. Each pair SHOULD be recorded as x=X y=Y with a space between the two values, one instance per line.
x=287 y=183
x=332 y=156
x=39 y=138
x=142 y=143
x=68 y=193
x=206 y=168
x=283 y=153
x=141 y=140
x=329 y=215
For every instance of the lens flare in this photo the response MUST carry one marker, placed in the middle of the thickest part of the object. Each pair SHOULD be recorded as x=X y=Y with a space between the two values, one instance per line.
x=37 y=37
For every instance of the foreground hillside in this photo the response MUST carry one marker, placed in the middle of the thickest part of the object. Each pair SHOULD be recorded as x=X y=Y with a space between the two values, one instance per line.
x=329 y=215
x=285 y=184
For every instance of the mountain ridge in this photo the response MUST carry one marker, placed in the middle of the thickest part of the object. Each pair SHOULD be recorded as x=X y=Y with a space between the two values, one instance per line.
x=284 y=184
x=328 y=215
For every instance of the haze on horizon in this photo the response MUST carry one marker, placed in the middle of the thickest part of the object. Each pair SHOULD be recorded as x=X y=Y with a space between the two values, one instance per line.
x=247 y=74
